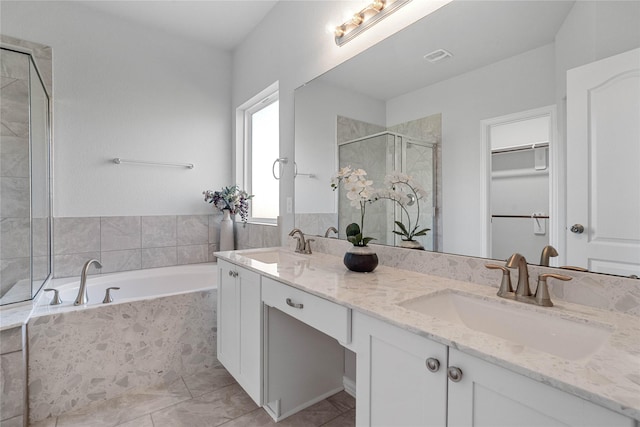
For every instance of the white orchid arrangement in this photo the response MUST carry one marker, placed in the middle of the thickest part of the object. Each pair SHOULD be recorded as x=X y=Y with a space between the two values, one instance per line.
x=360 y=192
x=403 y=190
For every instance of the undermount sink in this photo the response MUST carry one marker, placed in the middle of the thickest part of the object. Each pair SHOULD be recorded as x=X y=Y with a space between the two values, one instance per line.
x=273 y=257
x=561 y=337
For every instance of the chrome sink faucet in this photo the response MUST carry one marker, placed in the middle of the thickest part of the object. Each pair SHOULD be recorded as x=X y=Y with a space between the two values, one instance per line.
x=329 y=230
x=517 y=260
x=302 y=246
x=83 y=296
x=523 y=292
x=547 y=252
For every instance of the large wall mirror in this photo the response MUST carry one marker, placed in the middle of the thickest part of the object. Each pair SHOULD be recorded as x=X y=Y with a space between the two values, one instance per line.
x=530 y=112
x=25 y=169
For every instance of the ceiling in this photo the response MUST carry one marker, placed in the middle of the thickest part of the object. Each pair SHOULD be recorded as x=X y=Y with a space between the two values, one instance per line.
x=219 y=23
x=477 y=33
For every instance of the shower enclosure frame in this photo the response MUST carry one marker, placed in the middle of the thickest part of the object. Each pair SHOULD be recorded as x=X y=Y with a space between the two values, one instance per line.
x=34 y=75
x=400 y=142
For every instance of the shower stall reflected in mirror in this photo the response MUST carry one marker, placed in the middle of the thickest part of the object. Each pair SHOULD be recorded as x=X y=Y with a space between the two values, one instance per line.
x=25 y=171
x=379 y=155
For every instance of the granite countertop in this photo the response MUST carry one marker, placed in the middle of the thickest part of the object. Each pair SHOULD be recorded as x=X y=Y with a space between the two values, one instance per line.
x=610 y=377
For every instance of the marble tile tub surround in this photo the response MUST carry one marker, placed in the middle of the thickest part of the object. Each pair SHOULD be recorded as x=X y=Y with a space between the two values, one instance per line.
x=125 y=243
x=12 y=376
x=607 y=376
x=80 y=357
x=620 y=294
x=133 y=242
x=252 y=236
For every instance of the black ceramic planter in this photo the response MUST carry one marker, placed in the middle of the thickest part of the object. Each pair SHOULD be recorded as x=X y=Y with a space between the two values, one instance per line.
x=361 y=259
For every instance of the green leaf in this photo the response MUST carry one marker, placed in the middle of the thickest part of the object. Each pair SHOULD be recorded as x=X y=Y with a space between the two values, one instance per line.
x=402 y=227
x=422 y=232
x=353 y=229
x=352 y=240
x=400 y=233
x=366 y=240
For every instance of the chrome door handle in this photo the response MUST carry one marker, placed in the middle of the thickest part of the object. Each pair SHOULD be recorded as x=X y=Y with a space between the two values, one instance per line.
x=454 y=373
x=293 y=304
x=577 y=228
x=433 y=364
x=233 y=273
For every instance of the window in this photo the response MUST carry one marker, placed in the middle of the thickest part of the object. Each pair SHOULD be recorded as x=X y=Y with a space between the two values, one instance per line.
x=261 y=147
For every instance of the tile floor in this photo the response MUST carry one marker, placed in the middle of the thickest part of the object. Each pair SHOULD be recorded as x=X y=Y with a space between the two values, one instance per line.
x=208 y=399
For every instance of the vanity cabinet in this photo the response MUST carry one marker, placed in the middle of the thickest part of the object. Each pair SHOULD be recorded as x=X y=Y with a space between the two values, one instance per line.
x=488 y=395
x=394 y=386
x=304 y=358
x=239 y=316
x=403 y=381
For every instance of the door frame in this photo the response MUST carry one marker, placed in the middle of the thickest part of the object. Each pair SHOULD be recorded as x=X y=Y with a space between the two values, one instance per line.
x=556 y=209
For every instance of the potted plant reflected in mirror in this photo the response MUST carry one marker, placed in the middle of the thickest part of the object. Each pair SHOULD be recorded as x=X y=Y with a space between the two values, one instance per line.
x=403 y=190
x=360 y=258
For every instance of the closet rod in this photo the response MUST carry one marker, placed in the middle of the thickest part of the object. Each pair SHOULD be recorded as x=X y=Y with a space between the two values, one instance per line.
x=520 y=216
x=528 y=147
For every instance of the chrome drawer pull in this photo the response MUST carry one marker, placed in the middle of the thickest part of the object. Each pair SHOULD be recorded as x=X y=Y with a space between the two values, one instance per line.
x=293 y=304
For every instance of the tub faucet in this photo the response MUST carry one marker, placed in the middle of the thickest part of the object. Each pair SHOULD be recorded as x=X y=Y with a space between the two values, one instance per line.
x=547 y=252
x=83 y=296
x=517 y=260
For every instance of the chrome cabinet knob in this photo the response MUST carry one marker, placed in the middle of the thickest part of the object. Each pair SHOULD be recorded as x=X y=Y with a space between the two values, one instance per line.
x=577 y=228
x=454 y=373
x=230 y=273
x=433 y=364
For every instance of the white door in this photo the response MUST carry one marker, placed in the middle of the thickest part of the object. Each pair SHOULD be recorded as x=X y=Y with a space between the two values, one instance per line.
x=603 y=165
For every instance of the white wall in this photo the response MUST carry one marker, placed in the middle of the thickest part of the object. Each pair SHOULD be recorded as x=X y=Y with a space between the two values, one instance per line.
x=317 y=106
x=516 y=84
x=293 y=45
x=121 y=90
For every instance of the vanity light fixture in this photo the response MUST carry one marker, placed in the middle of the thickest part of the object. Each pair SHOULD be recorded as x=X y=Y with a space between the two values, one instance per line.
x=364 y=19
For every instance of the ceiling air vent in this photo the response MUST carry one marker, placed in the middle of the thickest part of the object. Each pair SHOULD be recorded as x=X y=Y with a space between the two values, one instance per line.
x=437 y=55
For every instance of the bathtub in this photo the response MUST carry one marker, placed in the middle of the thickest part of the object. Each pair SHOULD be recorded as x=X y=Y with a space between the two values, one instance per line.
x=134 y=285
x=160 y=326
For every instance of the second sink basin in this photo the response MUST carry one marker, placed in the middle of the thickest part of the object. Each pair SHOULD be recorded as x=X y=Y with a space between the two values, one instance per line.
x=554 y=335
x=272 y=257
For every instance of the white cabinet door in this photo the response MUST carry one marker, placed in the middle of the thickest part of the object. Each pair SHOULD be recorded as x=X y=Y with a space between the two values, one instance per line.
x=488 y=395
x=394 y=385
x=240 y=327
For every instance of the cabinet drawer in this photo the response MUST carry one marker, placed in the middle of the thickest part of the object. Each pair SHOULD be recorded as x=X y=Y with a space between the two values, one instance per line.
x=326 y=316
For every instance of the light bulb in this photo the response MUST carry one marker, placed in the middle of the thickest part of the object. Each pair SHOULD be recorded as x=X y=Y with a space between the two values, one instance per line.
x=339 y=32
x=357 y=19
x=378 y=5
